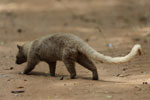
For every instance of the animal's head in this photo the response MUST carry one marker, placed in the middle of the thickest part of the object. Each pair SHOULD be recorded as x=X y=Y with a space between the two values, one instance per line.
x=20 y=58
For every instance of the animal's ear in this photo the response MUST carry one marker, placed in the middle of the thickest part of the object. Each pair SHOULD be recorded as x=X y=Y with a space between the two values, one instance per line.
x=19 y=47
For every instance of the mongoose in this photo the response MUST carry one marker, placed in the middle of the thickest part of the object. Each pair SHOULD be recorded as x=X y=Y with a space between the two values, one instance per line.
x=69 y=49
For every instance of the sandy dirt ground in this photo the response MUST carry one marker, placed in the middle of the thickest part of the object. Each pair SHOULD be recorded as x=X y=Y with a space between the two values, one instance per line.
x=109 y=26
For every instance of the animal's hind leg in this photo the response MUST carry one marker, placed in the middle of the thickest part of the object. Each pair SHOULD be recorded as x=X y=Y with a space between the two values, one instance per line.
x=87 y=63
x=52 y=68
x=70 y=64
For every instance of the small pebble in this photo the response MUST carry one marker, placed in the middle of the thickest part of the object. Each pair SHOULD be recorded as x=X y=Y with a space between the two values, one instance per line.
x=19 y=30
x=124 y=69
x=109 y=96
x=11 y=68
x=19 y=91
x=65 y=84
x=20 y=87
x=145 y=82
x=110 y=45
x=87 y=40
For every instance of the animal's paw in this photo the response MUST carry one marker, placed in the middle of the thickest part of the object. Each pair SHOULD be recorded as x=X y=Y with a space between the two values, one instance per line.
x=52 y=74
x=95 y=78
x=73 y=76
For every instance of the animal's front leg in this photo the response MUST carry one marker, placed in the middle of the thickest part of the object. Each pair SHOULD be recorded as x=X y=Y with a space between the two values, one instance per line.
x=30 y=66
x=32 y=60
x=52 y=68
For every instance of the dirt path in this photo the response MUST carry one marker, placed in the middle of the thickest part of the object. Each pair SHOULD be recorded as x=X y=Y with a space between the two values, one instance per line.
x=119 y=23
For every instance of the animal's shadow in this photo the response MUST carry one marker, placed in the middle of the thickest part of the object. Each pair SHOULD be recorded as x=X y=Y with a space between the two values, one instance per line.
x=100 y=80
x=66 y=77
x=43 y=74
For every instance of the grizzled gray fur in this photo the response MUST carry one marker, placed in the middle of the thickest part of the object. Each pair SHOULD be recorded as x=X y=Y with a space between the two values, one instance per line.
x=53 y=48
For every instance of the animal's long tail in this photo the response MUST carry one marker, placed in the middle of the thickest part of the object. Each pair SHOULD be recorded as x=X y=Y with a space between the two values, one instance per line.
x=91 y=53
